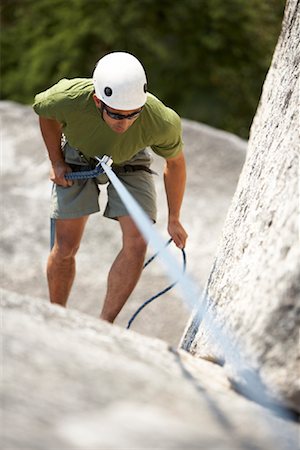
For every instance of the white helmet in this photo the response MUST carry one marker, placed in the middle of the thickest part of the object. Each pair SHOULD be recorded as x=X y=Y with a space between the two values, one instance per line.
x=120 y=81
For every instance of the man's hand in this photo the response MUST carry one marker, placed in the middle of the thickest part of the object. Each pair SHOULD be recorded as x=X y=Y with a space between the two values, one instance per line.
x=58 y=172
x=177 y=232
x=51 y=132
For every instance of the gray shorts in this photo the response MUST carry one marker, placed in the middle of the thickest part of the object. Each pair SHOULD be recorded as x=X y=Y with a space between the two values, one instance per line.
x=82 y=198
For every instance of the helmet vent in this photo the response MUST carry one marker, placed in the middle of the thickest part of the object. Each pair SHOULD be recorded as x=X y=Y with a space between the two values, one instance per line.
x=145 y=87
x=108 y=91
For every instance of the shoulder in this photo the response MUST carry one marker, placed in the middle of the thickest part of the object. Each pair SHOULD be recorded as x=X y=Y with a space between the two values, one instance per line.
x=163 y=128
x=161 y=122
x=63 y=94
x=163 y=116
x=67 y=89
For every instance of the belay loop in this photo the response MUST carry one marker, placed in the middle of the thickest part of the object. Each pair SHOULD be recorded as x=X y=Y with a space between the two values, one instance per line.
x=161 y=292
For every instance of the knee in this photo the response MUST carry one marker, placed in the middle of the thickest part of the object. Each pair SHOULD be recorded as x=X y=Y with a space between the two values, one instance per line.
x=65 y=249
x=137 y=246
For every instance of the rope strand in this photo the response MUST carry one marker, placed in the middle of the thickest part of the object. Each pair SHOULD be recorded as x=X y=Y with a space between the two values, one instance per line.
x=161 y=292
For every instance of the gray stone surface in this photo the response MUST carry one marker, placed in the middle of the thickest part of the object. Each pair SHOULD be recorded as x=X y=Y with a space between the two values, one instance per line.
x=70 y=381
x=214 y=160
x=253 y=288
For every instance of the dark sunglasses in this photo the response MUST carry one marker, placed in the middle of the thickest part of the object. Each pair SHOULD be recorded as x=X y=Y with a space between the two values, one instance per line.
x=117 y=116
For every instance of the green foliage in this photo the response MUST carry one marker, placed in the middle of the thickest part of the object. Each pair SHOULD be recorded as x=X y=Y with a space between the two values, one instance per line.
x=207 y=59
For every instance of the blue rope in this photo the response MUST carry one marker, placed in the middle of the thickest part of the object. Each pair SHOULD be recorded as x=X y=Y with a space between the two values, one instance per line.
x=84 y=174
x=155 y=254
x=52 y=233
x=161 y=292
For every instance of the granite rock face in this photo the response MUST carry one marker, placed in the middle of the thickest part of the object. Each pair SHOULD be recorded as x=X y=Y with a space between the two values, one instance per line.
x=71 y=381
x=254 y=286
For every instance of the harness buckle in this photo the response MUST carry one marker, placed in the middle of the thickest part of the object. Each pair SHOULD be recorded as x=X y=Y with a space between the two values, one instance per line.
x=105 y=159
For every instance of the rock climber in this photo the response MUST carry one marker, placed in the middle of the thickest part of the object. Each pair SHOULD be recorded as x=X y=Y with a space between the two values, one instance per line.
x=110 y=114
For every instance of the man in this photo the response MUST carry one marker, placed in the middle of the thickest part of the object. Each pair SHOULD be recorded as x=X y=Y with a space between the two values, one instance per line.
x=114 y=115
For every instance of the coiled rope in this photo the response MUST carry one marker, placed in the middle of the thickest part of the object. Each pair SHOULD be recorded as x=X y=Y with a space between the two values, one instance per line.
x=84 y=174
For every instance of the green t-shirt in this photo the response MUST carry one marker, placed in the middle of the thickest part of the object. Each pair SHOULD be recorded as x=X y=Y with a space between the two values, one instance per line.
x=71 y=103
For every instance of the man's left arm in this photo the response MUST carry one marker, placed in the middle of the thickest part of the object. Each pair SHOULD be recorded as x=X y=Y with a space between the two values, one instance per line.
x=175 y=179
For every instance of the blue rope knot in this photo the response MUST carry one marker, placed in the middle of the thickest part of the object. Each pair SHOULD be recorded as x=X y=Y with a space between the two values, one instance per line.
x=161 y=292
x=84 y=174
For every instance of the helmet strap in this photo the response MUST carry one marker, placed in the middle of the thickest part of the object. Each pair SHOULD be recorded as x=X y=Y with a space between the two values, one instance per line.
x=101 y=109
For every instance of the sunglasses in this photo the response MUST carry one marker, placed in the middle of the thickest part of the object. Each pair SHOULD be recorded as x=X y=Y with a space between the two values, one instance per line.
x=117 y=116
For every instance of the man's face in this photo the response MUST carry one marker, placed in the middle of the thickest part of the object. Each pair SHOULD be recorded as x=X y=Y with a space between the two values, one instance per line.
x=118 y=120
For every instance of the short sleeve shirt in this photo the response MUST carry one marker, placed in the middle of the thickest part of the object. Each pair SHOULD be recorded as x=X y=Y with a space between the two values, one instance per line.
x=71 y=103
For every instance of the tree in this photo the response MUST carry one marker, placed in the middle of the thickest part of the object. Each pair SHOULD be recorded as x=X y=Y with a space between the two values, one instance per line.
x=205 y=58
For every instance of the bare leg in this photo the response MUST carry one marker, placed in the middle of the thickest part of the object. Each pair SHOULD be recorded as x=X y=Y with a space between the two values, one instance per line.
x=125 y=271
x=61 y=261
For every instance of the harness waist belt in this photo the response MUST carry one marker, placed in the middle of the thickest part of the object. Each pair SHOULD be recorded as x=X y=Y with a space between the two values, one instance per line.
x=117 y=169
x=132 y=168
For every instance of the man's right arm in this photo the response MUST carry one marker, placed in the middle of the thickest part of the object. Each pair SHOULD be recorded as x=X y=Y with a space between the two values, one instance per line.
x=51 y=132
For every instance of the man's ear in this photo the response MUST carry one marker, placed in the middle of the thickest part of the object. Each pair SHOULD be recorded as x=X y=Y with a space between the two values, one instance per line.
x=97 y=101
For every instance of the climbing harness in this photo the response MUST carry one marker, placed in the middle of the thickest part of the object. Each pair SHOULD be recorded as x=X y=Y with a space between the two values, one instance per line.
x=167 y=289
